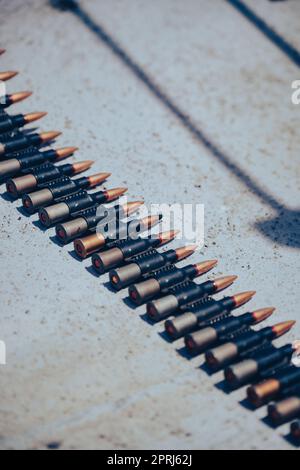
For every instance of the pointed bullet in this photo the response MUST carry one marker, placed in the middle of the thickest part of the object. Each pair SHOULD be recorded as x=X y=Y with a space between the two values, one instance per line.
x=166 y=237
x=97 y=179
x=131 y=207
x=65 y=152
x=185 y=251
x=113 y=194
x=205 y=266
x=42 y=175
x=5 y=76
x=163 y=307
x=20 y=96
x=17 y=121
x=189 y=321
x=224 y=282
x=282 y=328
x=131 y=273
x=153 y=286
x=80 y=167
x=49 y=136
x=227 y=353
x=243 y=297
x=92 y=243
x=15 y=144
x=211 y=335
x=114 y=257
x=31 y=117
x=79 y=226
x=149 y=222
x=262 y=314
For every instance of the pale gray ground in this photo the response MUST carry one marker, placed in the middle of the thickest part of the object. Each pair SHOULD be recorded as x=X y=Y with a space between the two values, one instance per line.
x=83 y=369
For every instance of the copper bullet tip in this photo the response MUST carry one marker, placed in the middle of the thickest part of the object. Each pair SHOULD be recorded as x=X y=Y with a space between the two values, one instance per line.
x=2 y=51
x=98 y=178
x=166 y=237
x=205 y=266
x=115 y=193
x=282 y=328
x=262 y=314
x=5 y=76
x=48 y=136
x=31 y=117
x=131 y=207
x=243 y=297
x=65 y=152
x=150 y=221
x=80 y=167
x=185 y=251
x=20 y=96
x=223 y=282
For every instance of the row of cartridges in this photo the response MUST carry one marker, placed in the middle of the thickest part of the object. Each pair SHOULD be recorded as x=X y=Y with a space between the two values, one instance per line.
x=152 y=276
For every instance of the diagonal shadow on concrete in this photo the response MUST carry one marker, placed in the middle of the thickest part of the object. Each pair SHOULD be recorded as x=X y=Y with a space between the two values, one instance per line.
x=284 y=228
x=278 y=40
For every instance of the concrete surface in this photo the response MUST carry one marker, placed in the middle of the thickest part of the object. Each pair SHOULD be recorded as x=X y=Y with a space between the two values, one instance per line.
x=83 y=370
